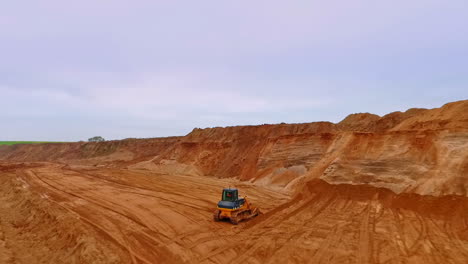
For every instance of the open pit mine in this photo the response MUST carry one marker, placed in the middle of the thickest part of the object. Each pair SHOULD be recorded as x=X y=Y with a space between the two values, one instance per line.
x=369 y=189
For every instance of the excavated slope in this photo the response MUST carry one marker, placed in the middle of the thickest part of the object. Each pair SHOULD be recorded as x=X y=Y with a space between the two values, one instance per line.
x=369 y=189
x=420 y=151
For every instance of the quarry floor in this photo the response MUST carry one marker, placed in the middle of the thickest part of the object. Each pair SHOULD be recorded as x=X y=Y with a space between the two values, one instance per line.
x=55 y=213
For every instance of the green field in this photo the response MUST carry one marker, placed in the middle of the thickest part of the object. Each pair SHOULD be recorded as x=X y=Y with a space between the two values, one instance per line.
x=23 y=142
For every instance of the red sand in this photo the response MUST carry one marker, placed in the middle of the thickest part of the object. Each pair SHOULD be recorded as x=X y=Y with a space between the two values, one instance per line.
x=370 y=189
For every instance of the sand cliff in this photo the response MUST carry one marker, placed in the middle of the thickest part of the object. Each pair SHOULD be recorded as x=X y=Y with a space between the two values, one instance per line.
x=370 y=189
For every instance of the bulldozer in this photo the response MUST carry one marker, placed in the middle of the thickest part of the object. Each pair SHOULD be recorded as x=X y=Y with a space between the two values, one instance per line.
x=235 y=209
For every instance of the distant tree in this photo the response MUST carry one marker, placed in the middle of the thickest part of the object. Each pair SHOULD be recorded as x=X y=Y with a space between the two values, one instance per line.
x=96 y=139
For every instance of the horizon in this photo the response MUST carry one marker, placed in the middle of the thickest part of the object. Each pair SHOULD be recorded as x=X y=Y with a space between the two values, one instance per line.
x=119 y=69
x=240 y=125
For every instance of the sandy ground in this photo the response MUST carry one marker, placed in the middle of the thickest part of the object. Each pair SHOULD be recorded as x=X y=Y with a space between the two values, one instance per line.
x=51 y=213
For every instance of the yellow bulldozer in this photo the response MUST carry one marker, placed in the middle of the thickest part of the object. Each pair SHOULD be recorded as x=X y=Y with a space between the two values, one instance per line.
x=235 y=209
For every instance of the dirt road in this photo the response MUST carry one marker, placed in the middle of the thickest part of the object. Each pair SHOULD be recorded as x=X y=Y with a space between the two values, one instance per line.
x=51 y=213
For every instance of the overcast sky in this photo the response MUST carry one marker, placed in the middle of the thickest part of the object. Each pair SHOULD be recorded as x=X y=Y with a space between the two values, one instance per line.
x=70 y=70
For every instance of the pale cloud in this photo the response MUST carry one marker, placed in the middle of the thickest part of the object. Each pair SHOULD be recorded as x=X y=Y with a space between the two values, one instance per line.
x=202 y=91
x=151 y=68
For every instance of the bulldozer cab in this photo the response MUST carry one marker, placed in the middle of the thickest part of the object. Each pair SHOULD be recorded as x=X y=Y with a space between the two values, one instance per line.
x=230 y=195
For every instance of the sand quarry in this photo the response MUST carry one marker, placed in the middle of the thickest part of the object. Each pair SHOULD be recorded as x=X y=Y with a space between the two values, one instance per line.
x=370 y=189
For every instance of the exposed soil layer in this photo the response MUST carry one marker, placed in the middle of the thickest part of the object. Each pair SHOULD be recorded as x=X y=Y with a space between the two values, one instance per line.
x=369 y=189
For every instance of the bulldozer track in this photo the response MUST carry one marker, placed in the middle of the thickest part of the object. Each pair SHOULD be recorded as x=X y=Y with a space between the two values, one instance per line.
x=152 y=217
